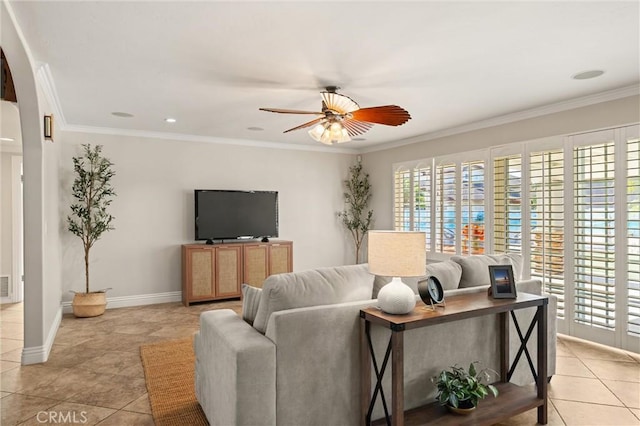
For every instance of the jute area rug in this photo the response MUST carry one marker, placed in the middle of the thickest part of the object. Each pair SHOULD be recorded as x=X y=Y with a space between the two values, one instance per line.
x=169 y=375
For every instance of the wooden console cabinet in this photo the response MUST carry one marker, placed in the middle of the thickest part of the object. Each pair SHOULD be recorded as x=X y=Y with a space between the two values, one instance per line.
x=213 y=272
x=264 y=259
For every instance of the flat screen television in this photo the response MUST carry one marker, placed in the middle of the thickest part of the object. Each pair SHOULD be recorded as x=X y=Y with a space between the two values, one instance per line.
x=228 y=215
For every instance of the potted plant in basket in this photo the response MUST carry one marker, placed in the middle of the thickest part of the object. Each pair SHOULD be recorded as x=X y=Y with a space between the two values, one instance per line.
x=93 y=193
x=461 y=390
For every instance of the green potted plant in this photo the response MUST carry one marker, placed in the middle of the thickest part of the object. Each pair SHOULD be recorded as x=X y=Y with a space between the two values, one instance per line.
x=356 y=218
x=89 y=219
x=461 y=390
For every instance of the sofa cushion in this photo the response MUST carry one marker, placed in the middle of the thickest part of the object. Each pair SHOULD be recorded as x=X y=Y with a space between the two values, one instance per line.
x=475 y=269
x=322 y=286
x=448 y=273
x=250 y=302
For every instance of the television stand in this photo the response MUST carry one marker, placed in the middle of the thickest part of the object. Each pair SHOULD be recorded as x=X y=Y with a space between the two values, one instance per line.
x=210 y=242
x=264 y=240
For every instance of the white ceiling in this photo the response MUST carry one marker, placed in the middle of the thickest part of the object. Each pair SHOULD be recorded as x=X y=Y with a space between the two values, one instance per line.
x=211 y=65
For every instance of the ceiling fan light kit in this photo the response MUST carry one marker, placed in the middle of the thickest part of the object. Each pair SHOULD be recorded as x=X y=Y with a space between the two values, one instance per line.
x=342 y=118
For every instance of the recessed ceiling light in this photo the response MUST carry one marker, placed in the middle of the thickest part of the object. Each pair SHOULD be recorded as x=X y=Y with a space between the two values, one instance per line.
x=359 y=139
x=7 y=139
x=170 y=120
x=586 y=75
x=255 y=129
x=122 y=114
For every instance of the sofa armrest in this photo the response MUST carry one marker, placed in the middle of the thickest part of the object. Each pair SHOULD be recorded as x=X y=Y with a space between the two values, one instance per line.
x=235 y=372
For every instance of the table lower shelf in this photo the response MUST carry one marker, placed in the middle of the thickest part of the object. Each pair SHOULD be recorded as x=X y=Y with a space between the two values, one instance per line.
x=512 y=400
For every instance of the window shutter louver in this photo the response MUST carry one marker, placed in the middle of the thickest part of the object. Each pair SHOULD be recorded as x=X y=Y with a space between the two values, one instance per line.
x=402 y=200
x=507 y=204
x=546 y=200
x=594 y=235
x=633 y=236
x=446 y=195
x=422 y=203
x=472 y=205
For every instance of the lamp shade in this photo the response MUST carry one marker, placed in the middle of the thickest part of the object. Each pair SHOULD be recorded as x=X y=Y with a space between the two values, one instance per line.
x=397 y=253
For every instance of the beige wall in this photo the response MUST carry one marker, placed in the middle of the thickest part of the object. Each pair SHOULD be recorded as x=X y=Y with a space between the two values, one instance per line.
x=379 y=164
x=153 y=209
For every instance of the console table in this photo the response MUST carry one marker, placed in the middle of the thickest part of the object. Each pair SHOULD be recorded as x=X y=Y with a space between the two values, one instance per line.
x=512 y=399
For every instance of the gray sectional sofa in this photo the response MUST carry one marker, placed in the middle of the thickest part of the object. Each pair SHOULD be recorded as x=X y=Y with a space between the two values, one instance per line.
x=294 y=357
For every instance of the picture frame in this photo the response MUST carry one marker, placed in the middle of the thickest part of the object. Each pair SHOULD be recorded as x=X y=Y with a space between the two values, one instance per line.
x=503 y=285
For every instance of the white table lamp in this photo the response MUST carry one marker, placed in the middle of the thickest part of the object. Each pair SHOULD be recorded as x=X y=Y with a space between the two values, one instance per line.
x=397 y=254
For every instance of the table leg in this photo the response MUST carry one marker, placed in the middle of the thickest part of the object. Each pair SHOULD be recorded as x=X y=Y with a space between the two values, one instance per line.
x=397 y=378
x=542 y=362
x=365 y=371
x=504 y=346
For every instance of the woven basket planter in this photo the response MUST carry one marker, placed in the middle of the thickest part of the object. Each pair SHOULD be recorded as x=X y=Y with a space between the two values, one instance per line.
x=87 y=305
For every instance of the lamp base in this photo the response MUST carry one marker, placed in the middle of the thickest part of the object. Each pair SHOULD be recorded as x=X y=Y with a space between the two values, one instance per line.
x=396 y=297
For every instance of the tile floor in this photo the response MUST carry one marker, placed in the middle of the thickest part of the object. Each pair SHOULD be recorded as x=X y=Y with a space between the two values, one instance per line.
x=94 y=372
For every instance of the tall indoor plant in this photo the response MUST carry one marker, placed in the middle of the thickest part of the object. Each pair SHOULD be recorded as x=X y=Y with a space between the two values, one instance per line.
x=356 y=218
x=93 y=193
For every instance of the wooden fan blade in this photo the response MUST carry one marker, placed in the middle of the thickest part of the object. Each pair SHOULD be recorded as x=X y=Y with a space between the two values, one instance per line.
x=390 y=115
x=290 y=111
x=339 y=103
x=355 y=128
x=307 y=124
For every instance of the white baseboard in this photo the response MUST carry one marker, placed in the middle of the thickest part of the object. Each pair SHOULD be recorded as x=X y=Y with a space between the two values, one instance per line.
x=38 y=354
x=136 y=300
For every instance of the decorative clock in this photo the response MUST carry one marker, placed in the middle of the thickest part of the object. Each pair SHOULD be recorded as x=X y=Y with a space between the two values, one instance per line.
x=431 y=292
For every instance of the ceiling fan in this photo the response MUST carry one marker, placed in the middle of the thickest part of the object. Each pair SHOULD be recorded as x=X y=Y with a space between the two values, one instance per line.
x=342 y=118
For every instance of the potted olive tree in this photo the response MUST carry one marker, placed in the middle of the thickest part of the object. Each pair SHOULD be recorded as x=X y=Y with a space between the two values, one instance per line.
x=356 y=218
x=89 y=219
x=461 y=390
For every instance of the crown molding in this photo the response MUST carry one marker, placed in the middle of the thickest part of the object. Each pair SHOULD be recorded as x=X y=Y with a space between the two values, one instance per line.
x=205 y=139
x=45 y=80
x=570 y=104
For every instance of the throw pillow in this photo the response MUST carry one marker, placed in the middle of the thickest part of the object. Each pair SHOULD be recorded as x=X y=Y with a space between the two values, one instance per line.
x=250 y=302
x=448 y=273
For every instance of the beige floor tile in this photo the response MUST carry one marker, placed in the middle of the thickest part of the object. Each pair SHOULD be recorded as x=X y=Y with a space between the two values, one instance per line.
x=628 y=393
x=12 y=316
x=121 y=418
x=613 y=370
x=581 y=389
x=140 y=405
x=69 y=382
x=28 y=376
x=11 y=306
x=14 y=355
x=115 y=362
x=636 y=412
x=588 y=350
x=8 y=365
x=12 y=330
x=3 y=394
x=562 y=349
x=582 y=414
x=572 y=366
x=17 y=408
x=70 y=414
x=111 y=391
x=7 y=345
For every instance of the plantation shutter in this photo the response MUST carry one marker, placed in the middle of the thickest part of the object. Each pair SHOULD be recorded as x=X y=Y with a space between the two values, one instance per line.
x=422 y=201
x=633 y=236
x=546 y=201
x=507 y=203
x=594 y=235
x=446 y=208
x=472 y=206
x=402 y=200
